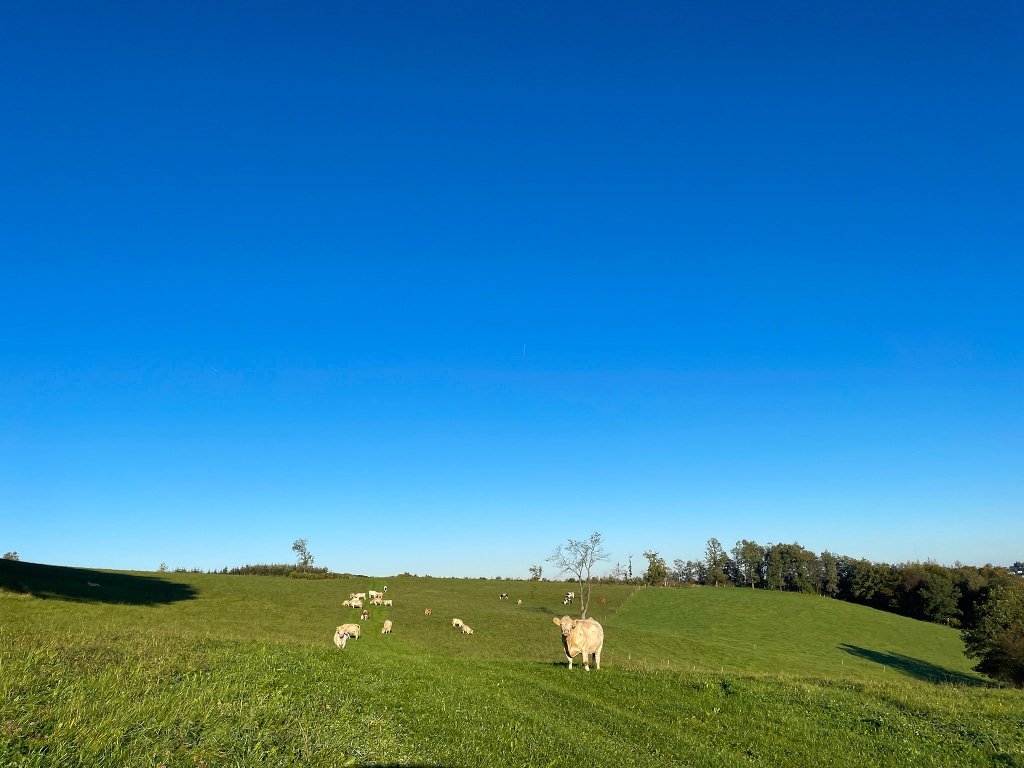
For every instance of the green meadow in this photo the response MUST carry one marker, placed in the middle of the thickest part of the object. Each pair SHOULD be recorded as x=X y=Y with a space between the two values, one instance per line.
x=213 y=670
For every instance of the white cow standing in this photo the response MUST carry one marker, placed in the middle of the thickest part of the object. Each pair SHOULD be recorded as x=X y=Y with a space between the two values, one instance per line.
x=344 y=632
x=581 y=636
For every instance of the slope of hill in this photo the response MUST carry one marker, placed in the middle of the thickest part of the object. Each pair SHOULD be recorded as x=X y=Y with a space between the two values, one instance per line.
x=756 y=632
x=222 y=670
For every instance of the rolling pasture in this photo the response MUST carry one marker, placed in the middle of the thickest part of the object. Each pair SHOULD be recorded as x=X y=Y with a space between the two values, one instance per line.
x=213 y=670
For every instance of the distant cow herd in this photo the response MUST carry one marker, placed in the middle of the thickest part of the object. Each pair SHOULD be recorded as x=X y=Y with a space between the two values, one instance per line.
x=343 y=632
x=580 y=637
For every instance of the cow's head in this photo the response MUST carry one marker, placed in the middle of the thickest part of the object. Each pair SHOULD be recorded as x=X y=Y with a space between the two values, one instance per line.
x=567 y=624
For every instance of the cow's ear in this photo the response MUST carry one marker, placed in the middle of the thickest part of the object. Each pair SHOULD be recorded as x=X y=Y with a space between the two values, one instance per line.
x=555 y=619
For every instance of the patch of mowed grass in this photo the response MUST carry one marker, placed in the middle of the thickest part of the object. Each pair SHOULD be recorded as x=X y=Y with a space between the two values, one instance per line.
x=757 y=631
x=151 y=703
x=141 y=699
x=245 y=673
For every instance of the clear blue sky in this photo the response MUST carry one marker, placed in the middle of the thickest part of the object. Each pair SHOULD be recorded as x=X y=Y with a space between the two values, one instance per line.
x=438 y=286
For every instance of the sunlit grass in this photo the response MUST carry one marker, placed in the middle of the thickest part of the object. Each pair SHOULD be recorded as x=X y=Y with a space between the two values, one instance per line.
x=245 y=673
x=757 y=632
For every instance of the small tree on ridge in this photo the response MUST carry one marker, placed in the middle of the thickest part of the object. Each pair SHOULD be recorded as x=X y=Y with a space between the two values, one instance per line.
x=579 y=558
x=657 y=570
x=305 y=556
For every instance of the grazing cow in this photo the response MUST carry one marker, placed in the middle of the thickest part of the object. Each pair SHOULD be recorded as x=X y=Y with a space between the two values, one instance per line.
x=503 y=596
x=376 y=601
x=356 y=603
x=360 y=596
x=457 y=623
x=602 y=601
x=352 y=630
x=388 y=603
x=570 y=595
x=385 y=587
x=519 y=602
x=346 y=603
x=364 y=615
x=583 y=636
x=567 y=601
x=387 y=628
x=467 y=630
x=344 y=632
x=426 y=612
x=375 y=595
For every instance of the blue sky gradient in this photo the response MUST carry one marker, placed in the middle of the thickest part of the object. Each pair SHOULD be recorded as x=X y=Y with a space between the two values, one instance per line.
x=439 y=286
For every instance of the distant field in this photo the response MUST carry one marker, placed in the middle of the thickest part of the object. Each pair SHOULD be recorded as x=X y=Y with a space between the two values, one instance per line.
x=194 y=669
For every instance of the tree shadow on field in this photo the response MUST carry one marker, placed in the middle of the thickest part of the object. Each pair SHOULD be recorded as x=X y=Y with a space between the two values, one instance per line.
x=82 y=585
x=922 y=670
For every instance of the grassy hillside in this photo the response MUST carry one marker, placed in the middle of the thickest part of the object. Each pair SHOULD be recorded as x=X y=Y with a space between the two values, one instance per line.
x=192 y=670
x=754 y=632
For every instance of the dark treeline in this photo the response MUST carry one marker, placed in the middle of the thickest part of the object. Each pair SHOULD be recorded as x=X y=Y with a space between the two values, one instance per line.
x=926 y=591
x=282 y=569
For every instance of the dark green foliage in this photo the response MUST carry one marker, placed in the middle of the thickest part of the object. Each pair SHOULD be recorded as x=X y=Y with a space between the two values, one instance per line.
x=791 y=567
x=315 y=574
x=775 y=568
x=878 y=585
x=657 y=570
x=997 y=636
x=975 y=584
x=827 y=581
x=717 y=563
x=277 y=569
x=939 y=595
x=748 y=557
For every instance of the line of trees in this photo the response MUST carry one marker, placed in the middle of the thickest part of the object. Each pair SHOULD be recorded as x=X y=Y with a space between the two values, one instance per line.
x=926 y=591
x=986 y=602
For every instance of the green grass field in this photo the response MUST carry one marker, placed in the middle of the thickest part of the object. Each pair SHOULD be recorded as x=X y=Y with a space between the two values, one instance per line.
x=212 y=670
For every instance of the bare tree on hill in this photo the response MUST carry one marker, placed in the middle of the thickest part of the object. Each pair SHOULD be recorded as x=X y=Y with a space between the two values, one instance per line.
x=579 y=558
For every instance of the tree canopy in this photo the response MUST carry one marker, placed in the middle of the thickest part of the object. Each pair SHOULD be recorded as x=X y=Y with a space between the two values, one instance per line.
x=997 y=637
x=657 y=570
x=300 y=548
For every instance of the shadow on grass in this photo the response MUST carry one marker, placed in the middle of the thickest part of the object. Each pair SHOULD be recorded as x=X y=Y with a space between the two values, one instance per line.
x=922 y=670
x=81 y=585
